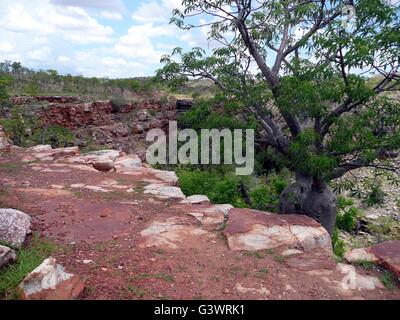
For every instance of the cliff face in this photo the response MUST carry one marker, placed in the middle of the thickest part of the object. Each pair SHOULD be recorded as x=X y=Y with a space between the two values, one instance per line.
x=122 y=127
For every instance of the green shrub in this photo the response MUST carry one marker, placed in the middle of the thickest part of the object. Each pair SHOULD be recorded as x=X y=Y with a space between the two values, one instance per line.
x=266 y=196
x=219 y=188
x=347 y=215
x=56 y=136
x=375 y=196
x=5 y=83
x=16 y=127
x=27 y=260
x=339 y=247
x=117 y=102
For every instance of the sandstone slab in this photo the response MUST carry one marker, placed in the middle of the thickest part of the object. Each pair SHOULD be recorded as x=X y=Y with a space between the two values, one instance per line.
x=360 y=255
x=164 y=191
x=171 y=233
x=196 y=199
x=43 y=153
x=49 y=281
x=252 y=230
x=126 y=163
x=354 y=281
x=96 y=156
x=388 y=254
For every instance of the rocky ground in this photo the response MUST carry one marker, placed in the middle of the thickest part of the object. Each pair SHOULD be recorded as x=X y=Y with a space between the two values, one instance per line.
x=130 y=233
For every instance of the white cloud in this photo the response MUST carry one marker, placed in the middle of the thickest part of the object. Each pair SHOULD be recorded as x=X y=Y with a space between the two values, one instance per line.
x=63 y=59
x=137 y=43
x=6 y=46
x=156 y=11
x=112 y=5
x=41 y=54
x=110 y=15
x=102 y=63
x=78 y=36
x=44 y=19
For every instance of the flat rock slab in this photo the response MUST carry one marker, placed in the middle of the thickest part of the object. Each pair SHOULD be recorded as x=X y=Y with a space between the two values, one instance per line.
x=311 y=262
x=354 y=281
x=388 y=254
x=127 y=163
x=172 y=233
x=45 y=153
x=210 y=216
x=14 y=226
x=163 y=191
x=196 y=199
x=49 y=281
x=252 y=230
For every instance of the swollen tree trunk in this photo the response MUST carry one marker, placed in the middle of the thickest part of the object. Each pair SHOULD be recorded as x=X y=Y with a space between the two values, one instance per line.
x=313 y=198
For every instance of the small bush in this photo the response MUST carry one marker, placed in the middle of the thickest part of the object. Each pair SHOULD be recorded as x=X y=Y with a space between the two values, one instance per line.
x=219 y=189
x=117 y=103
x=375 y=197
x=56 y=136
x=339 y=247
x=347 y=215
x=266 y=196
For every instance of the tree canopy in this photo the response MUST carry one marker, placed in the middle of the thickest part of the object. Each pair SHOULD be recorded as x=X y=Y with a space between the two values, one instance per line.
x=297 y=68
x=314 y=82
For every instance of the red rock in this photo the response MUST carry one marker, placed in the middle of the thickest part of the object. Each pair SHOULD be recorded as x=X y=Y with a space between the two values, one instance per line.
x=311 y=262
x=388 y=254
x=49 y=281
x=256 y=230
x=104 y=166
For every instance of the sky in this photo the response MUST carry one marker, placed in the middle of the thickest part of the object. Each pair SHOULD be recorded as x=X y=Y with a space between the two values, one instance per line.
x=93 y=38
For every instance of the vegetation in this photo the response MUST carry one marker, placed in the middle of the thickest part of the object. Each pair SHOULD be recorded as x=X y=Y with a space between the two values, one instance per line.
x=28 y=259
x=23 y=81
x=315 y=110
x=347 y=214
x=25 y=130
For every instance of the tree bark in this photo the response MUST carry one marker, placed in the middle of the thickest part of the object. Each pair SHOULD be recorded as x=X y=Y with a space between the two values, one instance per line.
x=313 y=198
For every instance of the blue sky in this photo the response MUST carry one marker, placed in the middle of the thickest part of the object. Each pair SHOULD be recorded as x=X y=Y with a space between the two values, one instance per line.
x=103 y=38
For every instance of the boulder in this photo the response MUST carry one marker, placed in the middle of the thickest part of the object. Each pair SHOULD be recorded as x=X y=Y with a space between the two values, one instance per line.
x=253 y=230
x=14 y=226
x=7 y=256
x=103 y=166
x=49 y=281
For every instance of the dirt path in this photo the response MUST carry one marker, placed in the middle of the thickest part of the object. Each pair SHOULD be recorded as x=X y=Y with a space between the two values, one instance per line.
x=110 y=237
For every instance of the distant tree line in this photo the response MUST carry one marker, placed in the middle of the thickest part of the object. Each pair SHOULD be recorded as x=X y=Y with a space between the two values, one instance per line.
x=24 y=81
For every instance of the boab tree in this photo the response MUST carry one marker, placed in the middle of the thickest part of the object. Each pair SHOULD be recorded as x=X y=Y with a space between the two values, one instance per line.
x=298 y=68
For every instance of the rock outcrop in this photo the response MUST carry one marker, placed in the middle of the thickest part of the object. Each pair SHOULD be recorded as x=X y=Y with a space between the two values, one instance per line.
x=255 y=230
x=14 y=226
x=49 y=281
